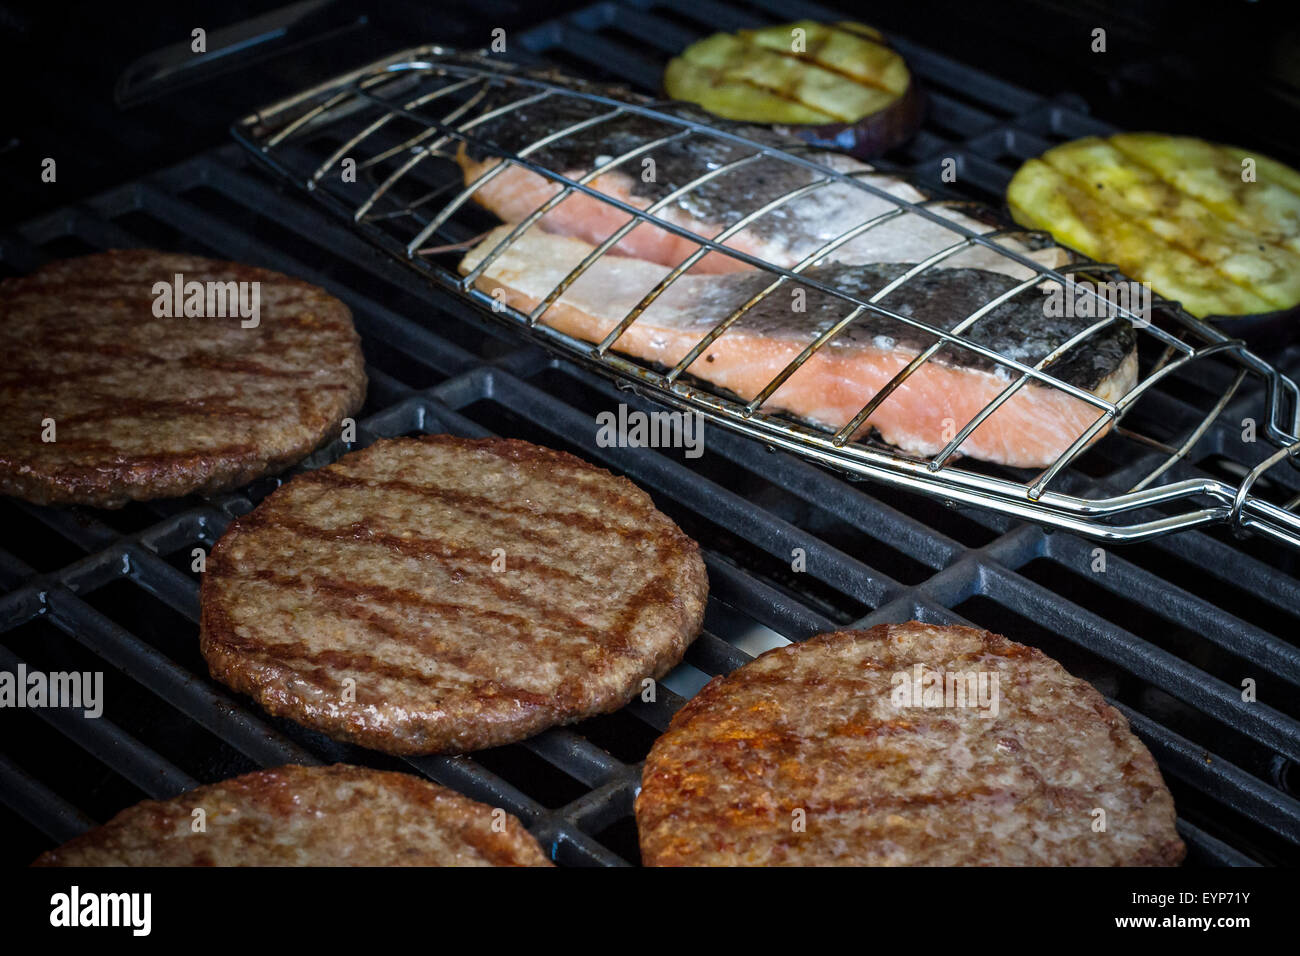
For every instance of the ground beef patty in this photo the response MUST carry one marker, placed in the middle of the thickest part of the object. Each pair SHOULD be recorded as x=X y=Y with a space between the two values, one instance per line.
x=823 y=728
x=444 y=594
x=151 y=407
x=308 y=816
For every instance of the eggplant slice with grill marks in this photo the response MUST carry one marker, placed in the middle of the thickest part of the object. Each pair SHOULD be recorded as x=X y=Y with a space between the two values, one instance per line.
x=837 y=85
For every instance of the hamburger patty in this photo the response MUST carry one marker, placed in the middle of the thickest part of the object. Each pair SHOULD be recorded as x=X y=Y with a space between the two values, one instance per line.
x=151 y=407
x=444 y=594
x=308 y=816
x=821 y=727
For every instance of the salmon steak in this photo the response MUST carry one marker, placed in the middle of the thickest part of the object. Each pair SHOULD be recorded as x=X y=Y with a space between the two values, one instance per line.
x=742 y=180
x=1031 y=429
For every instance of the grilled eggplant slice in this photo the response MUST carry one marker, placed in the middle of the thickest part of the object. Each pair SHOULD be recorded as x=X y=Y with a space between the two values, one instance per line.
x=1175 y=212
x=838 y=85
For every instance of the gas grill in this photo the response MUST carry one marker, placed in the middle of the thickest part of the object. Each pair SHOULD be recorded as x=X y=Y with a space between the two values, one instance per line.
x=1168 y=629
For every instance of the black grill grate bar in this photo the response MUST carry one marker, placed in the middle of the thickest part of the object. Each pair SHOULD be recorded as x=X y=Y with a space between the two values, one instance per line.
x=1224 y=630
x=219 y=714
x=575 y=848
x=79 y=527
x=38 y=804
x=659 y=713
x=473 y=779
x=21 y=606
x=949 y=587
x=100 y=232
x=919 y=603
x=762 y=602
x=155 y=576
x=1219 y=778
x=91 y=572
x=1211 y=850
x=731 y=586
x=1015 y=546
x=183 y=527
x=605 y=804
x=103 y=564
x=384 y=389
x=1220 y=560
x=597 y=51
x=844 y=501
x=579 y=757
x=13 y=571
x=1158 y=667
x=717 y=16
x=100 y=737
x=714 y=656
x=667 y=37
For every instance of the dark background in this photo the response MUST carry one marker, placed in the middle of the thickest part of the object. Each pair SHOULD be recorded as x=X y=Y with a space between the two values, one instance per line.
x=1226 y=70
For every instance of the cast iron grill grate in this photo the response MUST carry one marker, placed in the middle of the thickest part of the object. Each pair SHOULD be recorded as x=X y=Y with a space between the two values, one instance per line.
x=1167 y=632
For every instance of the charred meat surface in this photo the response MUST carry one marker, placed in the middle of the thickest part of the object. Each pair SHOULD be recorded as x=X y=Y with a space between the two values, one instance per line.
x=441 y=594
x=105 y=401
x=832 y=752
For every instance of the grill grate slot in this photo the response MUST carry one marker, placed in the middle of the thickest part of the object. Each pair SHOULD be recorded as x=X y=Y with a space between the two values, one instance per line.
x=436 y=365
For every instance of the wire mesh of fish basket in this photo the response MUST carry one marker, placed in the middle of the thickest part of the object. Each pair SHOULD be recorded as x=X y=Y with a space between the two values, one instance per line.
x=378 y=146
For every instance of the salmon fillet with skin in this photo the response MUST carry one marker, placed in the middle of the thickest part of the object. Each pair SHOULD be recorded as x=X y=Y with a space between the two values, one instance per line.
x=1032 y=428
x=783 y=236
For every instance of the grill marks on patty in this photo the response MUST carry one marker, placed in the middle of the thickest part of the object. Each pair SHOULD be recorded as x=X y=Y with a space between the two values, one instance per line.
x=147 y=406
x=380 y=568
x=813 y=727
x=307 y=816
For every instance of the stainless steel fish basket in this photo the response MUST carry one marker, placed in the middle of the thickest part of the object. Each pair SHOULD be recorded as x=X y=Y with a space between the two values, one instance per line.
x=398 y=120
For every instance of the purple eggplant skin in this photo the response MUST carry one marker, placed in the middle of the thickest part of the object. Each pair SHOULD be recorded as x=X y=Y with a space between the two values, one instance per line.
x=874 y=134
